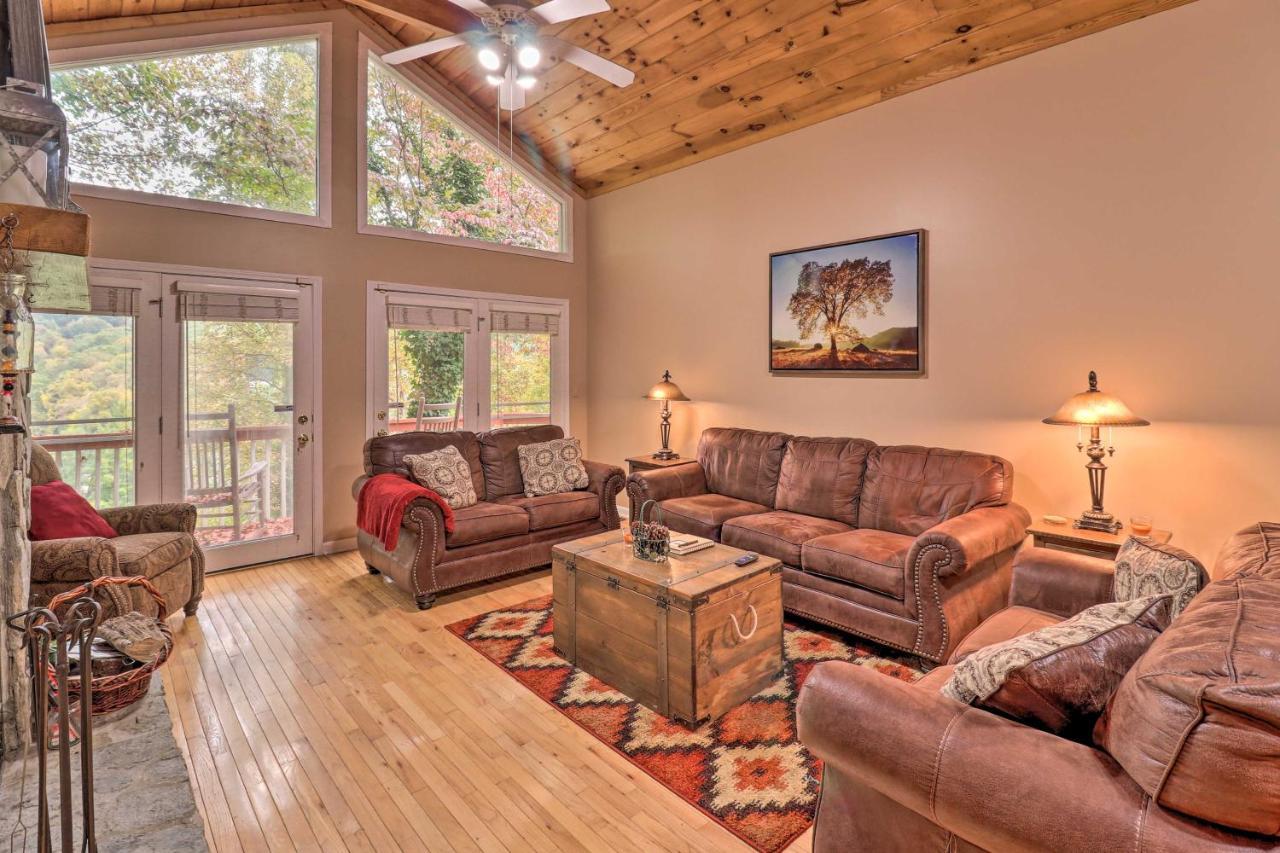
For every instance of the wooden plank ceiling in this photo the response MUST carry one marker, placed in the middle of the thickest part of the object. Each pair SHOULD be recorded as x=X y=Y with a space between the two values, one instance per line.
x=716 y=75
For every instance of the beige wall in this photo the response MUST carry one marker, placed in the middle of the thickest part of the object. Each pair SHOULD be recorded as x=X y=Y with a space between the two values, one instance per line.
x=346 y=261
x=1112 y=203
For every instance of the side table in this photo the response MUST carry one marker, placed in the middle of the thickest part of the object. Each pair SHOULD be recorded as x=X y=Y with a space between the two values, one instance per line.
x=646 y=462
x=1092 y=543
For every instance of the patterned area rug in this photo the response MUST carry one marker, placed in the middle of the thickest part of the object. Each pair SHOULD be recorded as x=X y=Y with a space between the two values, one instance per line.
x=745 y=770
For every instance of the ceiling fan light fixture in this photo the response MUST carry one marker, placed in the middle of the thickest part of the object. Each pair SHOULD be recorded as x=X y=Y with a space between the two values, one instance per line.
x=490 y=57
x=526 y=81
x=528 y=55
x=494 y=79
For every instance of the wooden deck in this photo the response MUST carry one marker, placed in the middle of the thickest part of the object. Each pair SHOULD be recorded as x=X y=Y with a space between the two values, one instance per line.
x=319 y=710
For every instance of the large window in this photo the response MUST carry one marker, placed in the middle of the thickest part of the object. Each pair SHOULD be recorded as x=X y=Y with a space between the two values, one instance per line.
x=227 y=124
x=425 y=173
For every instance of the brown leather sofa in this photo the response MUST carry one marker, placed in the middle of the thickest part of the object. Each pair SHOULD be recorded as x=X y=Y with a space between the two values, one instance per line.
x=156 y=542
x=504 y=533
x=1193 y=733
x=908 y=546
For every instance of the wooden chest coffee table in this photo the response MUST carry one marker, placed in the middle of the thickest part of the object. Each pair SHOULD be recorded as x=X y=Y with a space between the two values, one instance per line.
x=689 y=638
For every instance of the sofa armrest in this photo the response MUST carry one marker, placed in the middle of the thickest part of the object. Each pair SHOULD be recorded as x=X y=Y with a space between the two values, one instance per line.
x=606 y=481
x=151 y=518
x=358 y=485
x=971 y=538
x=993 y=782
x=1060 y=582
x=76 y=560
x=660 y=484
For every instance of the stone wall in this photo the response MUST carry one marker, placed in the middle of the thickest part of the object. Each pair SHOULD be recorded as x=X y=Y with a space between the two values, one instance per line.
x=15 y=586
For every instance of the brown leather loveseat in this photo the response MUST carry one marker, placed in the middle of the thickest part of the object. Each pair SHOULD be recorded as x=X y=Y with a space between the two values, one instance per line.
x=1193 y=734
x=908 y=546
x=504 y=533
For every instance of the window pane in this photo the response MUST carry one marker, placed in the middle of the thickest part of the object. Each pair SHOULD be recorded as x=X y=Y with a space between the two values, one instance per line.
x=234 y=125
x=424 y=378
x=520 y=378
x=426 y=173
x=82 y=402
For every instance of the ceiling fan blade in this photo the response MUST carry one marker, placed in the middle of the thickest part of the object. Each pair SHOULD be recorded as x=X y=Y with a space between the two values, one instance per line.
x=427 y=48
x=558 y=11
x=475 y=7
x=588 y=61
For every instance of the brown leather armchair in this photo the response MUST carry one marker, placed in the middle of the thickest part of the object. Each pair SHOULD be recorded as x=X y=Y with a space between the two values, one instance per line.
x=1190 y=763
x=156 y=541
x=503 y=534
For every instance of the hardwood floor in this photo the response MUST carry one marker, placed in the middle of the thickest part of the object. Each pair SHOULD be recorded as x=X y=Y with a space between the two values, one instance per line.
x=319 y=710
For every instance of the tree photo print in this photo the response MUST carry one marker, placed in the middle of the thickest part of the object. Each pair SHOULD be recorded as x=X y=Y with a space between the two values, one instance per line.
x=855 y=307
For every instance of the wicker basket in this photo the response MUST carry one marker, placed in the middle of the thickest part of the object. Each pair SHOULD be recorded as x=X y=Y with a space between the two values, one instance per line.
x=114 y=692
x=653 y=548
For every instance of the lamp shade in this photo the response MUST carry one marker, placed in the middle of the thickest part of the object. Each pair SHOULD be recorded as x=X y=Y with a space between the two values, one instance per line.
x=1095 y=408
x=666 y=390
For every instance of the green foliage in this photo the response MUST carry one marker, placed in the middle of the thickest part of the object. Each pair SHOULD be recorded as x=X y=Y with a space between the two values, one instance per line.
x=428 y=174
x=234 y=125
x=436 y=360
x=245 y=364
x=520 y=372
x=896 y=338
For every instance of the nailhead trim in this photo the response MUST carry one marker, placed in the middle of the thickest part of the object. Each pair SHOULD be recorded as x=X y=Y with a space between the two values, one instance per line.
x=937 y=598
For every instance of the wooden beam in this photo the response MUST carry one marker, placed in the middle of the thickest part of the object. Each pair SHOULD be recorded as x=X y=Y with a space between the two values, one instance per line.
x=66 y=29
x=437 y=14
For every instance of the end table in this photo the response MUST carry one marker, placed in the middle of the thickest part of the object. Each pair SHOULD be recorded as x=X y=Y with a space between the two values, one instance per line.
x=646 y=462
x=1091 y=543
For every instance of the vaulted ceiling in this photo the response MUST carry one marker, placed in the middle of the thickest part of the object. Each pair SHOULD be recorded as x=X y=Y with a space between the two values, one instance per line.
x=716 y=75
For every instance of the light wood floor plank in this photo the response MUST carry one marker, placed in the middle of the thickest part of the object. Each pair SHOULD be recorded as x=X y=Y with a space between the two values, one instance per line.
x=318 y=709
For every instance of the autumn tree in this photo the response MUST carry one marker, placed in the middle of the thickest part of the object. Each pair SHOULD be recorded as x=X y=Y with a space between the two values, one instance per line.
x=827 y=297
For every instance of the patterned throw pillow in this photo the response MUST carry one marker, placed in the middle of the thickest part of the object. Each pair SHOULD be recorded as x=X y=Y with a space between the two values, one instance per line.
x=1061 y=677
x=552 y=467
x=1147 y=568
x=446 y=473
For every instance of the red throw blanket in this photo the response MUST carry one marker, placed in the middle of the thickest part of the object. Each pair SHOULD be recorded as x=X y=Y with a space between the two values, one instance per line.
x=383 y=500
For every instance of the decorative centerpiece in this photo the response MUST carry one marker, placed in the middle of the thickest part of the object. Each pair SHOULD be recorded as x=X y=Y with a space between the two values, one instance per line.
x=650 y=540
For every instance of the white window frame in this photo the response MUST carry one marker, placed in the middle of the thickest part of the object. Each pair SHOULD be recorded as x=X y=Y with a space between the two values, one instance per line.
x=428 y=90
x=477 y=372
x=149 y=48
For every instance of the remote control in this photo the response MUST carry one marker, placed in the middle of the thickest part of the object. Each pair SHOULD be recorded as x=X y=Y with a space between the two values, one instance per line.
x=746 y=559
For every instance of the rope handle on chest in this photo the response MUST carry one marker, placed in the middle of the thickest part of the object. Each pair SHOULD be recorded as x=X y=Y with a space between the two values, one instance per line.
x=755 y=624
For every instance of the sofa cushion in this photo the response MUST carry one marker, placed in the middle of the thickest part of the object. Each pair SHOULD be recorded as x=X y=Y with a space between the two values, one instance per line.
x=500 y=456
x=911 y=489
x=702 y=515
x=1196 y=722
x=777 y=534
x=1003 y=625
x=823 y=477
x=742 y=463
x=1061 y=677
x=446 y=473
x=384 y=454
x=547 y=511
x=484 y=522
x=152 y=554
x=1149 y=568
x=872 y=559
x=551 y=467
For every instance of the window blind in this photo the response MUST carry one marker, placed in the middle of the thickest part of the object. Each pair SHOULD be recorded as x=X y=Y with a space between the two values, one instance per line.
x=199 y=302
x=104 y=299
x=427 y=318
x=525 y=321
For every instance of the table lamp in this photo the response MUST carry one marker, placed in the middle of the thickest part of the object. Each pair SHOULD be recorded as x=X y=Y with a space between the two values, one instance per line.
x=666 y=391
x=1095 y=409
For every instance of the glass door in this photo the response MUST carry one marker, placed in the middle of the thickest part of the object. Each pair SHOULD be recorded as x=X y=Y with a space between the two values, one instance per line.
x=94 y=391
x=245 y=407
x=441 y=362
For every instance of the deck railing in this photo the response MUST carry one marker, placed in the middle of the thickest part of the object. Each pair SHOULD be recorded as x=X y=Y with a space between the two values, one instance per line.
x=439 y=417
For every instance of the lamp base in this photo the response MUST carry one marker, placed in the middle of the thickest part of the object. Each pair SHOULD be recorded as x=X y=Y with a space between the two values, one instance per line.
x=1103 y=521
x=666 y=454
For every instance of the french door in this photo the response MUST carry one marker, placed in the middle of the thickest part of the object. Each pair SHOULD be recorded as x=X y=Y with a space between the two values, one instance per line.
x=445 y=360
x=187 y=387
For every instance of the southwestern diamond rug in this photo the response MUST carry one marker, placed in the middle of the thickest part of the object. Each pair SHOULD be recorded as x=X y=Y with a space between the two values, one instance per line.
x=746 y=770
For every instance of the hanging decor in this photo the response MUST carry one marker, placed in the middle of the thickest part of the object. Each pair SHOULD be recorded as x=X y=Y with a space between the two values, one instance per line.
x=17 y=330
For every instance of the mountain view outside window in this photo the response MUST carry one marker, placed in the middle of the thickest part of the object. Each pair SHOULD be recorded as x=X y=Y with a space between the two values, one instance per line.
x=236 y=125
x=426 y=173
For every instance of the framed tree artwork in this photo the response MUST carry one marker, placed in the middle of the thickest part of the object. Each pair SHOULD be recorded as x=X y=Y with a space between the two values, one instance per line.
x=849 y=308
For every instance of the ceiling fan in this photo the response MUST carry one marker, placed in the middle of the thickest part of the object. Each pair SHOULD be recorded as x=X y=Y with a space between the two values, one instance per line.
x=511 y=51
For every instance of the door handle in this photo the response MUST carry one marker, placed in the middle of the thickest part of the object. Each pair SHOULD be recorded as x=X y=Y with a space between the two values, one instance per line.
x=303 y=441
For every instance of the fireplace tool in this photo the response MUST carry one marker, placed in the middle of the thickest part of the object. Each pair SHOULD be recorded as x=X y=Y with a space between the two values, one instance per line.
x=50 y=642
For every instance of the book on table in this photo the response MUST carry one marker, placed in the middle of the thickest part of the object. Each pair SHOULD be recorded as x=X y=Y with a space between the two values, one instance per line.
x=685 y=543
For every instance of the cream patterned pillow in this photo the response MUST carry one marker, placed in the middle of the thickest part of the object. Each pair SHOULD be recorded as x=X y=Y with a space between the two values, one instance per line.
x=985 y=671
x=1146 y=568
x=552 y=467
x=446 y=473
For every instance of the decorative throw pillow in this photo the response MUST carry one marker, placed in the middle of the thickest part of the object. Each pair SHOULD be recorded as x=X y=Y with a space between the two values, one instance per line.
x=1146 y=568
x=446 y=473
x=552 y=467
x=59 y=512
x=1060 y=678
